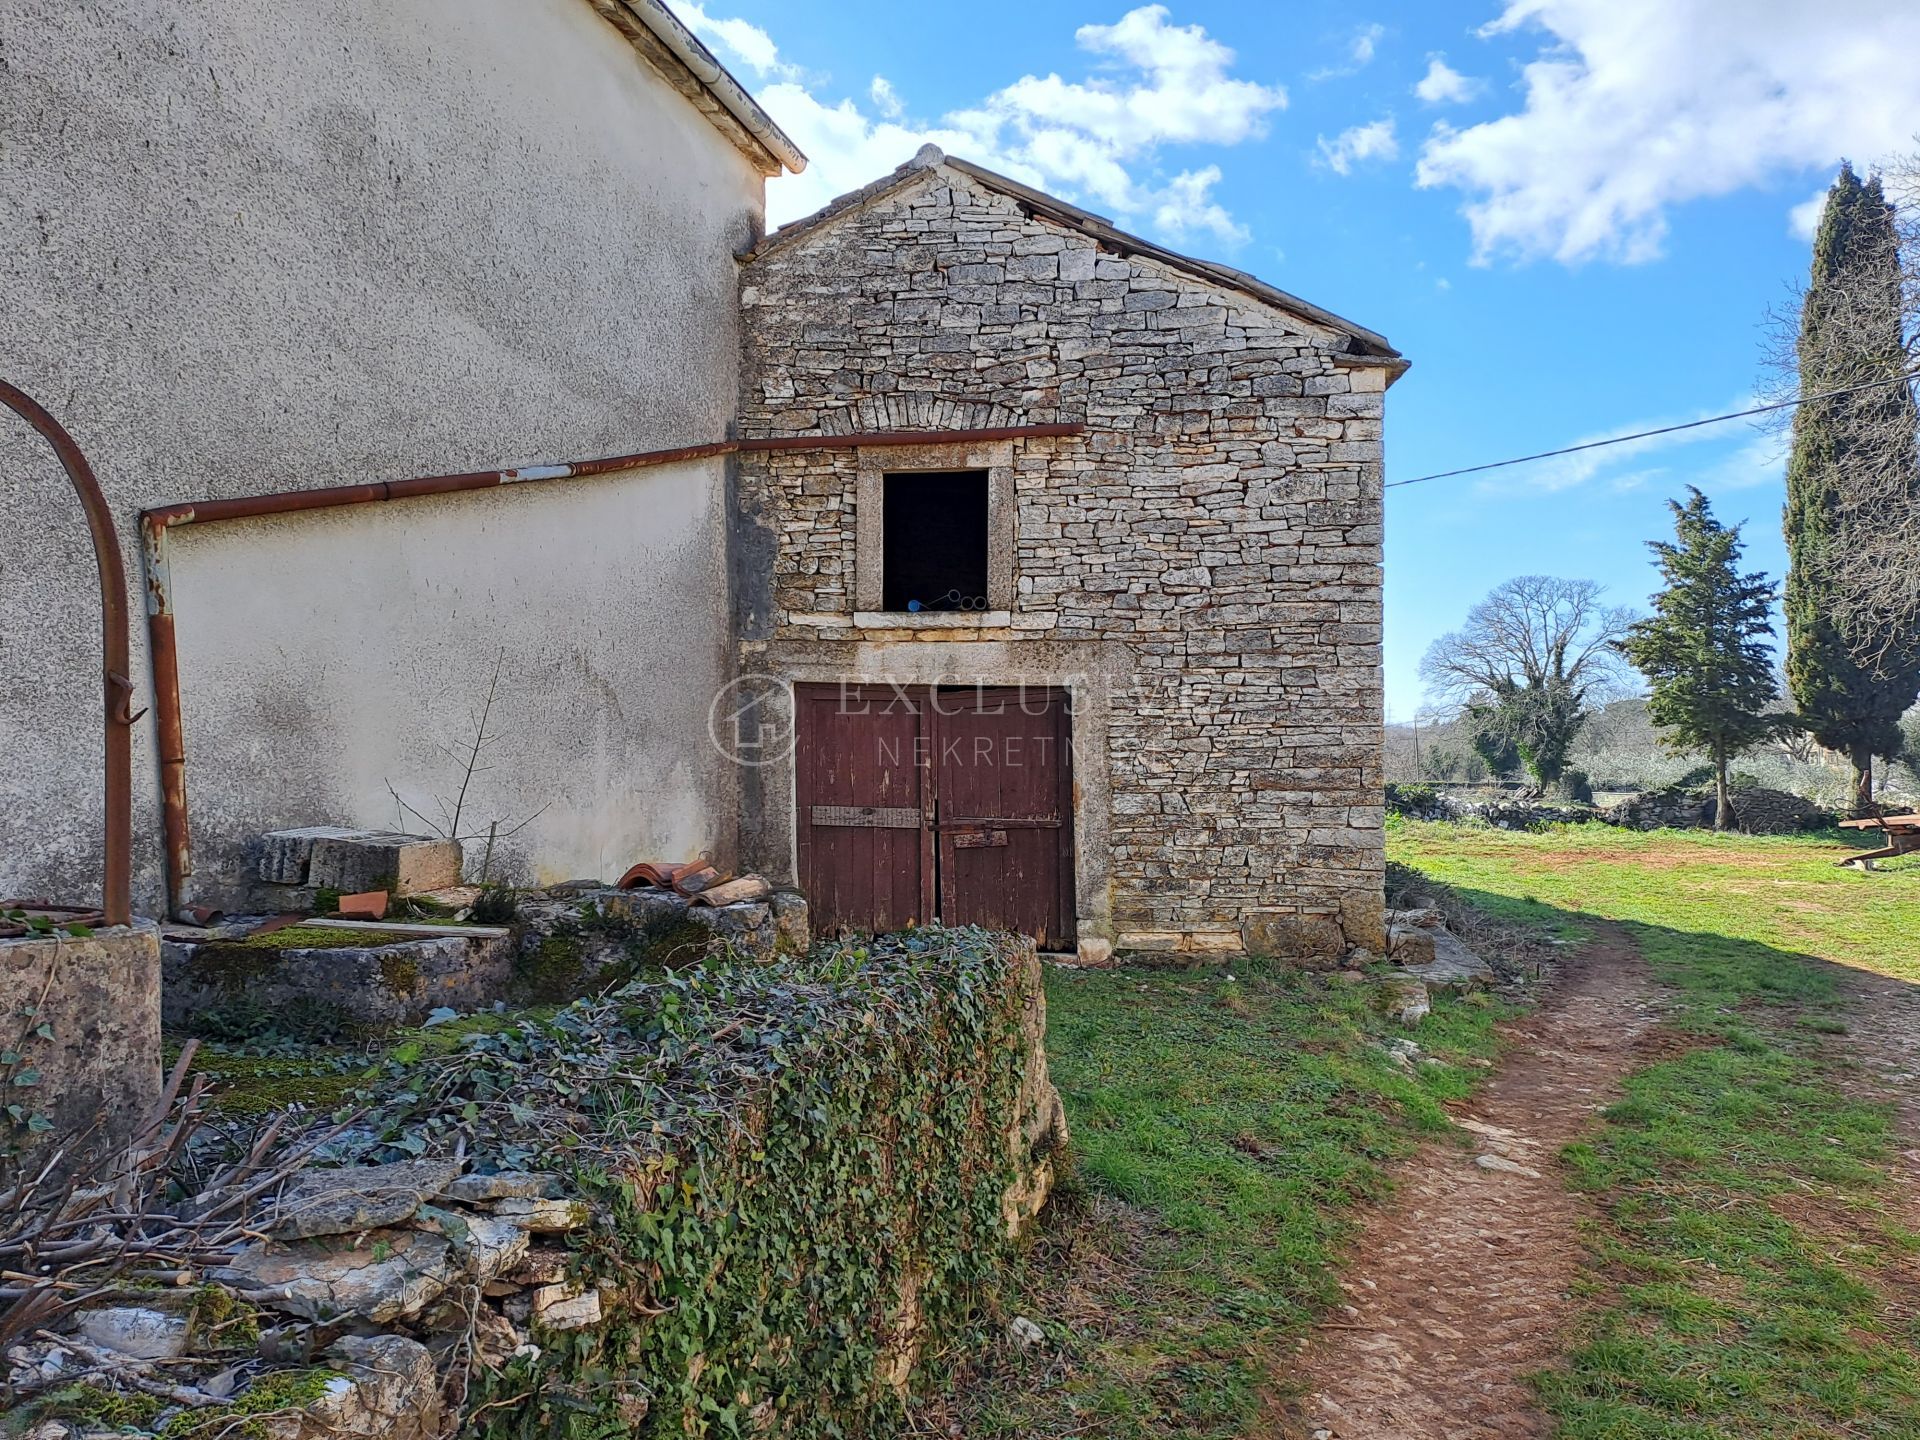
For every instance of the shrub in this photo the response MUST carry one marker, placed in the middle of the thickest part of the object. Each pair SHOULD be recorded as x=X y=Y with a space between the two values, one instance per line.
x=782 y=1159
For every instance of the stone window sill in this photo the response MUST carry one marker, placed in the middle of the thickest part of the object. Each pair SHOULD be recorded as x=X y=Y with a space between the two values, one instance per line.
x=932 y=619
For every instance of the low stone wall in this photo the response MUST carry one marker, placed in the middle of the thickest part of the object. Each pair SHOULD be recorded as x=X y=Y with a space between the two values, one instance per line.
x=746 y=1199
x=321 y=980
x=82 y=1030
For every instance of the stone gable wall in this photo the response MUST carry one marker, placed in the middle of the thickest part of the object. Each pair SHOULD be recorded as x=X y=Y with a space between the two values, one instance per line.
x=1218 y=524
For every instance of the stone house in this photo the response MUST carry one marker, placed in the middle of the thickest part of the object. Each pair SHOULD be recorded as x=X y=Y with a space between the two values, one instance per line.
x=1106 y=666
x=950 y=553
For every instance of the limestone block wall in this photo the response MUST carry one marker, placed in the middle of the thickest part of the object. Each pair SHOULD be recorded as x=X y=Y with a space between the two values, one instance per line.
x=1209 y=548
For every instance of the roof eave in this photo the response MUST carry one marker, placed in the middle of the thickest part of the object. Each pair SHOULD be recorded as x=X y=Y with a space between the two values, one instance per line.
x=672 y=49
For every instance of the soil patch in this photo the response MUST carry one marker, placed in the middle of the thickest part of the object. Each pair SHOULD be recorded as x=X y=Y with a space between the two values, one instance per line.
x=1457 y=1287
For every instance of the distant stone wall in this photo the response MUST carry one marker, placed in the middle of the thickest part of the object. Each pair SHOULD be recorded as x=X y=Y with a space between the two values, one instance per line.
x=1207 y=554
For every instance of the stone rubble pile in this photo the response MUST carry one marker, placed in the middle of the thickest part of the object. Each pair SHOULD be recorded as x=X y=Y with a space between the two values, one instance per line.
x=372 y=1280
x=1429 y=957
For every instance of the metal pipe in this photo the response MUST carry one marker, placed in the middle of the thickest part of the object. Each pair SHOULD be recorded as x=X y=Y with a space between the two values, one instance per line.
x=155 y=523
x=117 y=880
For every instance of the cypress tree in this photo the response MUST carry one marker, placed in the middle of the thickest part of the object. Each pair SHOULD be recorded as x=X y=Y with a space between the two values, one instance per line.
x=1703 y=650
x=1851 y=679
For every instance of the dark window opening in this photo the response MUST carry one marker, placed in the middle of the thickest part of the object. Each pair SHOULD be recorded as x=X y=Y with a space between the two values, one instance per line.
x=934 y=534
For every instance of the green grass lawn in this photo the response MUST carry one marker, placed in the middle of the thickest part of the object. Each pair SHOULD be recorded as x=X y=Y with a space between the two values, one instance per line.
x=1224 y=1131
x=1785 y=892
x=1748 y=1276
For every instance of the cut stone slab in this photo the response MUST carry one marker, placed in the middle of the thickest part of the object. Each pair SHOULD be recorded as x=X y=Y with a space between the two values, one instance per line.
x=400 y=863
x=286 y=854
x=503 y=1185
x=132 y=1330
x=563 y=1307
x=1410 y=945
x=492 y=1247
x=733 y=920
x=644 y=908
x=388 y=1275
x=463 y=969
x=356 y=1198
x=547 y=1216
x=1453 y=966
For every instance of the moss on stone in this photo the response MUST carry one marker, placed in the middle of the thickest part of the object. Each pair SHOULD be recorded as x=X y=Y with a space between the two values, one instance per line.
x=110 y=1408
x=219 y=1321
x=678 y=942
x=232 y=965
x=551 y=971
x=281 y=1393
x=324 y=937
x=399 y=973
x=259 y=1084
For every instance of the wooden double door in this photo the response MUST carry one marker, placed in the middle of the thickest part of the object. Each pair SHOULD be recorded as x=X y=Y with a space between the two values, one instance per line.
x=920 y=803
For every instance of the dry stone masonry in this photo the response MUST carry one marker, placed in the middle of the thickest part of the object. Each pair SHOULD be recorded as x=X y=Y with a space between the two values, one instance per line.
x=1207 y=554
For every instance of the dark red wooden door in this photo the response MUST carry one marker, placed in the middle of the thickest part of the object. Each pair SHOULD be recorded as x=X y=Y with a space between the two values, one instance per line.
x=952 y=804
x=1003 y=818
x=866 y=851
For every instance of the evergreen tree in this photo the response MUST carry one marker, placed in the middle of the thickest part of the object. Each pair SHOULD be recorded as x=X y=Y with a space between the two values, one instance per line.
x=1852 y=673
x=1703 y=650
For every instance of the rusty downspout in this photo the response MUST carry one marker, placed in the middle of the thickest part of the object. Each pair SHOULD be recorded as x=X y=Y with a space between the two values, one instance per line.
x=117 y=881
x=155 y=523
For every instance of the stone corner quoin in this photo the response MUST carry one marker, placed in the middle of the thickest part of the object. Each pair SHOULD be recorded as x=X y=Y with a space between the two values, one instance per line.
x=1209 y=550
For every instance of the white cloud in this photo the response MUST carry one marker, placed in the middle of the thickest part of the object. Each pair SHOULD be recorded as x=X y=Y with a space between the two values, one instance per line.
x=1097 y=139
x=1361 y=50
x=885 y=98
x=1634 y=106
x=1804 y=219
x=739 y=40
x=1758 y=460
x=1189 y=208
x=1444 y=85
x=1373 y=141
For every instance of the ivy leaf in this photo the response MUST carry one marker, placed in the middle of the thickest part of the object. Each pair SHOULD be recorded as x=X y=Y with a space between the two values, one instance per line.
x=39 y=1124
x=26 y=1078
x=440 y=1015
x=44 y=1030
x=79 y=932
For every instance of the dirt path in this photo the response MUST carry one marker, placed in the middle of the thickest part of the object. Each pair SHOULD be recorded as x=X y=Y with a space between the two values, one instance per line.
x=1457 y=1287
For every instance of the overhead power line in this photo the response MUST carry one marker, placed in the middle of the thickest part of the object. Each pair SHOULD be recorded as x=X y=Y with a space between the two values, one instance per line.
x=1663 y=430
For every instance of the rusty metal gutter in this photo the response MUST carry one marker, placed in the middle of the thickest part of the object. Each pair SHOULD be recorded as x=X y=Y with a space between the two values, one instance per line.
x=687 y=49
x=155 y=523
x=115 y=664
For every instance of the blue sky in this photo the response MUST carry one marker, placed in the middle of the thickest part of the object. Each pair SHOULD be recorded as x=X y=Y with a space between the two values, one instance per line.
x=1572 y=215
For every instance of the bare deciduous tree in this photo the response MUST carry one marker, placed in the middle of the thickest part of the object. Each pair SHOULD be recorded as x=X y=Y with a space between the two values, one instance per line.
x=1531 y=659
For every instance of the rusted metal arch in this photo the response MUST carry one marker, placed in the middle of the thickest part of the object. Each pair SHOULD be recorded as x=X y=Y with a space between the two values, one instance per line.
x=116 y=883
x=154 y=525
